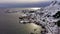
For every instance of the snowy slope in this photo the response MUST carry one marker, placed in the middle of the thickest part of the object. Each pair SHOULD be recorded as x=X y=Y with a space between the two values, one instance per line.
x=45 y=17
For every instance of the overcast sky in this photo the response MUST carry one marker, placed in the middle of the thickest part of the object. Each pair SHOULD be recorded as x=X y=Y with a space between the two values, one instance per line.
x=21 y=1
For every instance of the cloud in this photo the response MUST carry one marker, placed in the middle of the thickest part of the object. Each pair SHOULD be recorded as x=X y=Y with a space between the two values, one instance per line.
x=20 y=1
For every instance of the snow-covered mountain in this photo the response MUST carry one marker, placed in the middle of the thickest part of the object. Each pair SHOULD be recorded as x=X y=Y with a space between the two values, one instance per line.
x=48 y=17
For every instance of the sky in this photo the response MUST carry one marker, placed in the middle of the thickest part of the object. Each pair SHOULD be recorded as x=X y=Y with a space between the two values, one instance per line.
x=21 y=1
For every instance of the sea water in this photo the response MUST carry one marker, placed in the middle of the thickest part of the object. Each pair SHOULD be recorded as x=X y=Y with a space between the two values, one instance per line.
x=9 y=23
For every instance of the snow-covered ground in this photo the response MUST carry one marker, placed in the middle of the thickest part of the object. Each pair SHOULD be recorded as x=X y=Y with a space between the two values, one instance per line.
x=44 y=17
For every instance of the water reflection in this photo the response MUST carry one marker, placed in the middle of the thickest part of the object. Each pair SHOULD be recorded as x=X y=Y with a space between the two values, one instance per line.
x=33 y=28
x=9 y=24
x=35 y=8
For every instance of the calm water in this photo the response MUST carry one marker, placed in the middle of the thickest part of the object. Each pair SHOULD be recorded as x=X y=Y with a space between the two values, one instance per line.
x=9 y=24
